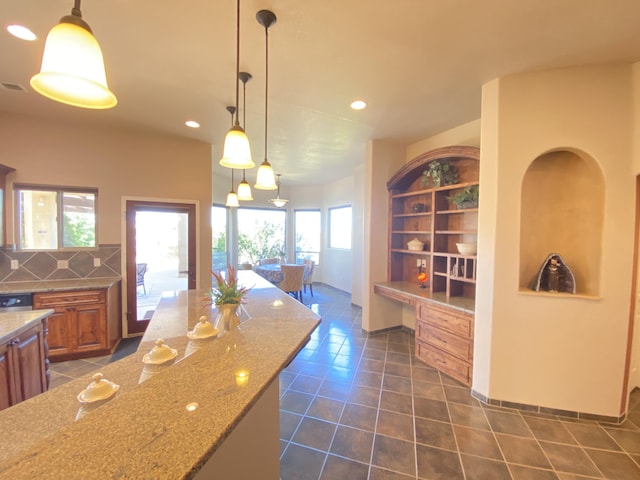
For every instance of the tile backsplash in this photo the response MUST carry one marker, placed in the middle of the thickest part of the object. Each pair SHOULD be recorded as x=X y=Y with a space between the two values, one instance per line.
x=60 y=265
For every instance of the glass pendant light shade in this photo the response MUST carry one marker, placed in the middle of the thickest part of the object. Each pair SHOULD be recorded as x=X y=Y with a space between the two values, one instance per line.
x=232 y=199
x=278 y=202
x=244 y=189
x=237 y=152
x=265 y=180
x=72 y=70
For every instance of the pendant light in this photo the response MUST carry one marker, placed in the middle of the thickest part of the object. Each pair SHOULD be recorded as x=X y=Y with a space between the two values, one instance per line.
x=265 y=179
x=237 y=152
x=278 y=202
x=244 y=189
x=72 y=69
x=232 y=197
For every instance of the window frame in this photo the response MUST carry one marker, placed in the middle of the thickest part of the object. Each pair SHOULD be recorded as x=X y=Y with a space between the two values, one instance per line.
x=60 y=191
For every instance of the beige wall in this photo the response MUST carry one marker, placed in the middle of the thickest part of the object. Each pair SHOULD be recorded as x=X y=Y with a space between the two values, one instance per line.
x=565 y=353
x=382 y=160
x=337 y=266
x=120 y=163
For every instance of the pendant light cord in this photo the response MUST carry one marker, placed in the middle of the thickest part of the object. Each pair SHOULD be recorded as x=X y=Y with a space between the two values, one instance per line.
x=237 y=124
x=266 y=88
x=76 y=9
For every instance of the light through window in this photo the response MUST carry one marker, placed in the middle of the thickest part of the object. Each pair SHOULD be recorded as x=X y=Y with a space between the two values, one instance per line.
x=261 y=234
x=219 y=238
x=55 y=219
x=340 y=227
x=307 y=226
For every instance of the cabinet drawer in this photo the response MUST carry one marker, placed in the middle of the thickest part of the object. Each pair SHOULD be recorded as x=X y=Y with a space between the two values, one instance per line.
x=455 y=345
x=446 y=318
x=441 y=360
x=67 y=299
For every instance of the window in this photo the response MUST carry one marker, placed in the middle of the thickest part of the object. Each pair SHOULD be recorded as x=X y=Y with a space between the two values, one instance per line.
x=307 y=228
x=261 y=234
x=340 y=227
x=219 y=238
x=56 y=218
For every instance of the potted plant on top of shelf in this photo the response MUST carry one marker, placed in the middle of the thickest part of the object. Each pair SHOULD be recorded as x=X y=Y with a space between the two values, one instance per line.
x=467 y=198
x=441 y=173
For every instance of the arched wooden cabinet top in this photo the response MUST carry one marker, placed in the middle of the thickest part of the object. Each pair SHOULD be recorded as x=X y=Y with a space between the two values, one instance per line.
x=412 y=170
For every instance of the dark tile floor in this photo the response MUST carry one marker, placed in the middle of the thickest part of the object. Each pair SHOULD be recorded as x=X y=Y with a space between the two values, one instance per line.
x=355 y=407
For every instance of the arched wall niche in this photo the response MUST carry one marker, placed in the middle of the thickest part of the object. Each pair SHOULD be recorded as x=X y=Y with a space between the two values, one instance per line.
x=562 y=211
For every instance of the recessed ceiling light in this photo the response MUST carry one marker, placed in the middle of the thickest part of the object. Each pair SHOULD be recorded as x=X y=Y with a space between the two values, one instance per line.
x=359 y=105
x=21 y=32
x=192 y=124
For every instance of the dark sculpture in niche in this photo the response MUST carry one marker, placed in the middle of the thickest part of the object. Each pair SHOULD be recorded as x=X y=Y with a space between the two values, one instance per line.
x=555 y=276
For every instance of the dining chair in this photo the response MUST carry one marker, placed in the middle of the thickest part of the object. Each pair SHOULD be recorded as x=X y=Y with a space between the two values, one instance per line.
x=291 y=283
x=141 y=270
x=308 y=275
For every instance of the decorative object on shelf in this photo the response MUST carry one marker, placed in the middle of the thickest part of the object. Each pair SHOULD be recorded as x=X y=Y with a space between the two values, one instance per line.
x=203 y=329
x=554 y=276
x=227 y=318
x=422 y=277
x=265 y=179
x=160 y=354
x=226 y=290
x=415 y=245
x=227 y=296
x=467 y=248
x=72 y=70
x=418 y=207
x=441 y=173
x=237 y=151
x=467 y=198
x=99 y=389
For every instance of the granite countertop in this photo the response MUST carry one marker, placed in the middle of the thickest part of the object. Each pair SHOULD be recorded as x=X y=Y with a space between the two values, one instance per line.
x=145 y=429
x=413 y=291
x=57 y=285
x=14 y=323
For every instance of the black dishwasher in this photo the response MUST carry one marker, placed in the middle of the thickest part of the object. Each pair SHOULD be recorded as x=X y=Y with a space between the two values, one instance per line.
x=15 y=302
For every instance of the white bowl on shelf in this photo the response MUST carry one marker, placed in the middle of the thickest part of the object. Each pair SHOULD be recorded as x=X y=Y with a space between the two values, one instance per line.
x=415 y=245
x=467 y=248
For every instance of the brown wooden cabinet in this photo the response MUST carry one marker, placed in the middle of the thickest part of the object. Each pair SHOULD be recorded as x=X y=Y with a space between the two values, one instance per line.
x=428 y=214
x=444 y=339
x=23 y=366
x=84 y=323
x=444 y=331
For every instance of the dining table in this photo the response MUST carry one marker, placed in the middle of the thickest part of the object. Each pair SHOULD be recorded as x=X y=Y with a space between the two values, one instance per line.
x=271 y=272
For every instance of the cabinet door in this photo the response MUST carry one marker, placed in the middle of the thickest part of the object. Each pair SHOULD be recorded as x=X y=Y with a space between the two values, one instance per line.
x=7 y=394
x=28 y=357
x=59 y=337
x=90 y=325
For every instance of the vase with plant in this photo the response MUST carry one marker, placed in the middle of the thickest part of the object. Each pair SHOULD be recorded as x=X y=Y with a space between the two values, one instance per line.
x=227 y=296
x=440 y=172
x=466 y=198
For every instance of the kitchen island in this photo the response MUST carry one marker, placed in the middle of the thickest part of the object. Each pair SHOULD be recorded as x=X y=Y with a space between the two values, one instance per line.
x=211 y=413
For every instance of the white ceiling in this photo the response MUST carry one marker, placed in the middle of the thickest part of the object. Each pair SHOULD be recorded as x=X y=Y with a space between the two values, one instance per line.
x=419 y=64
